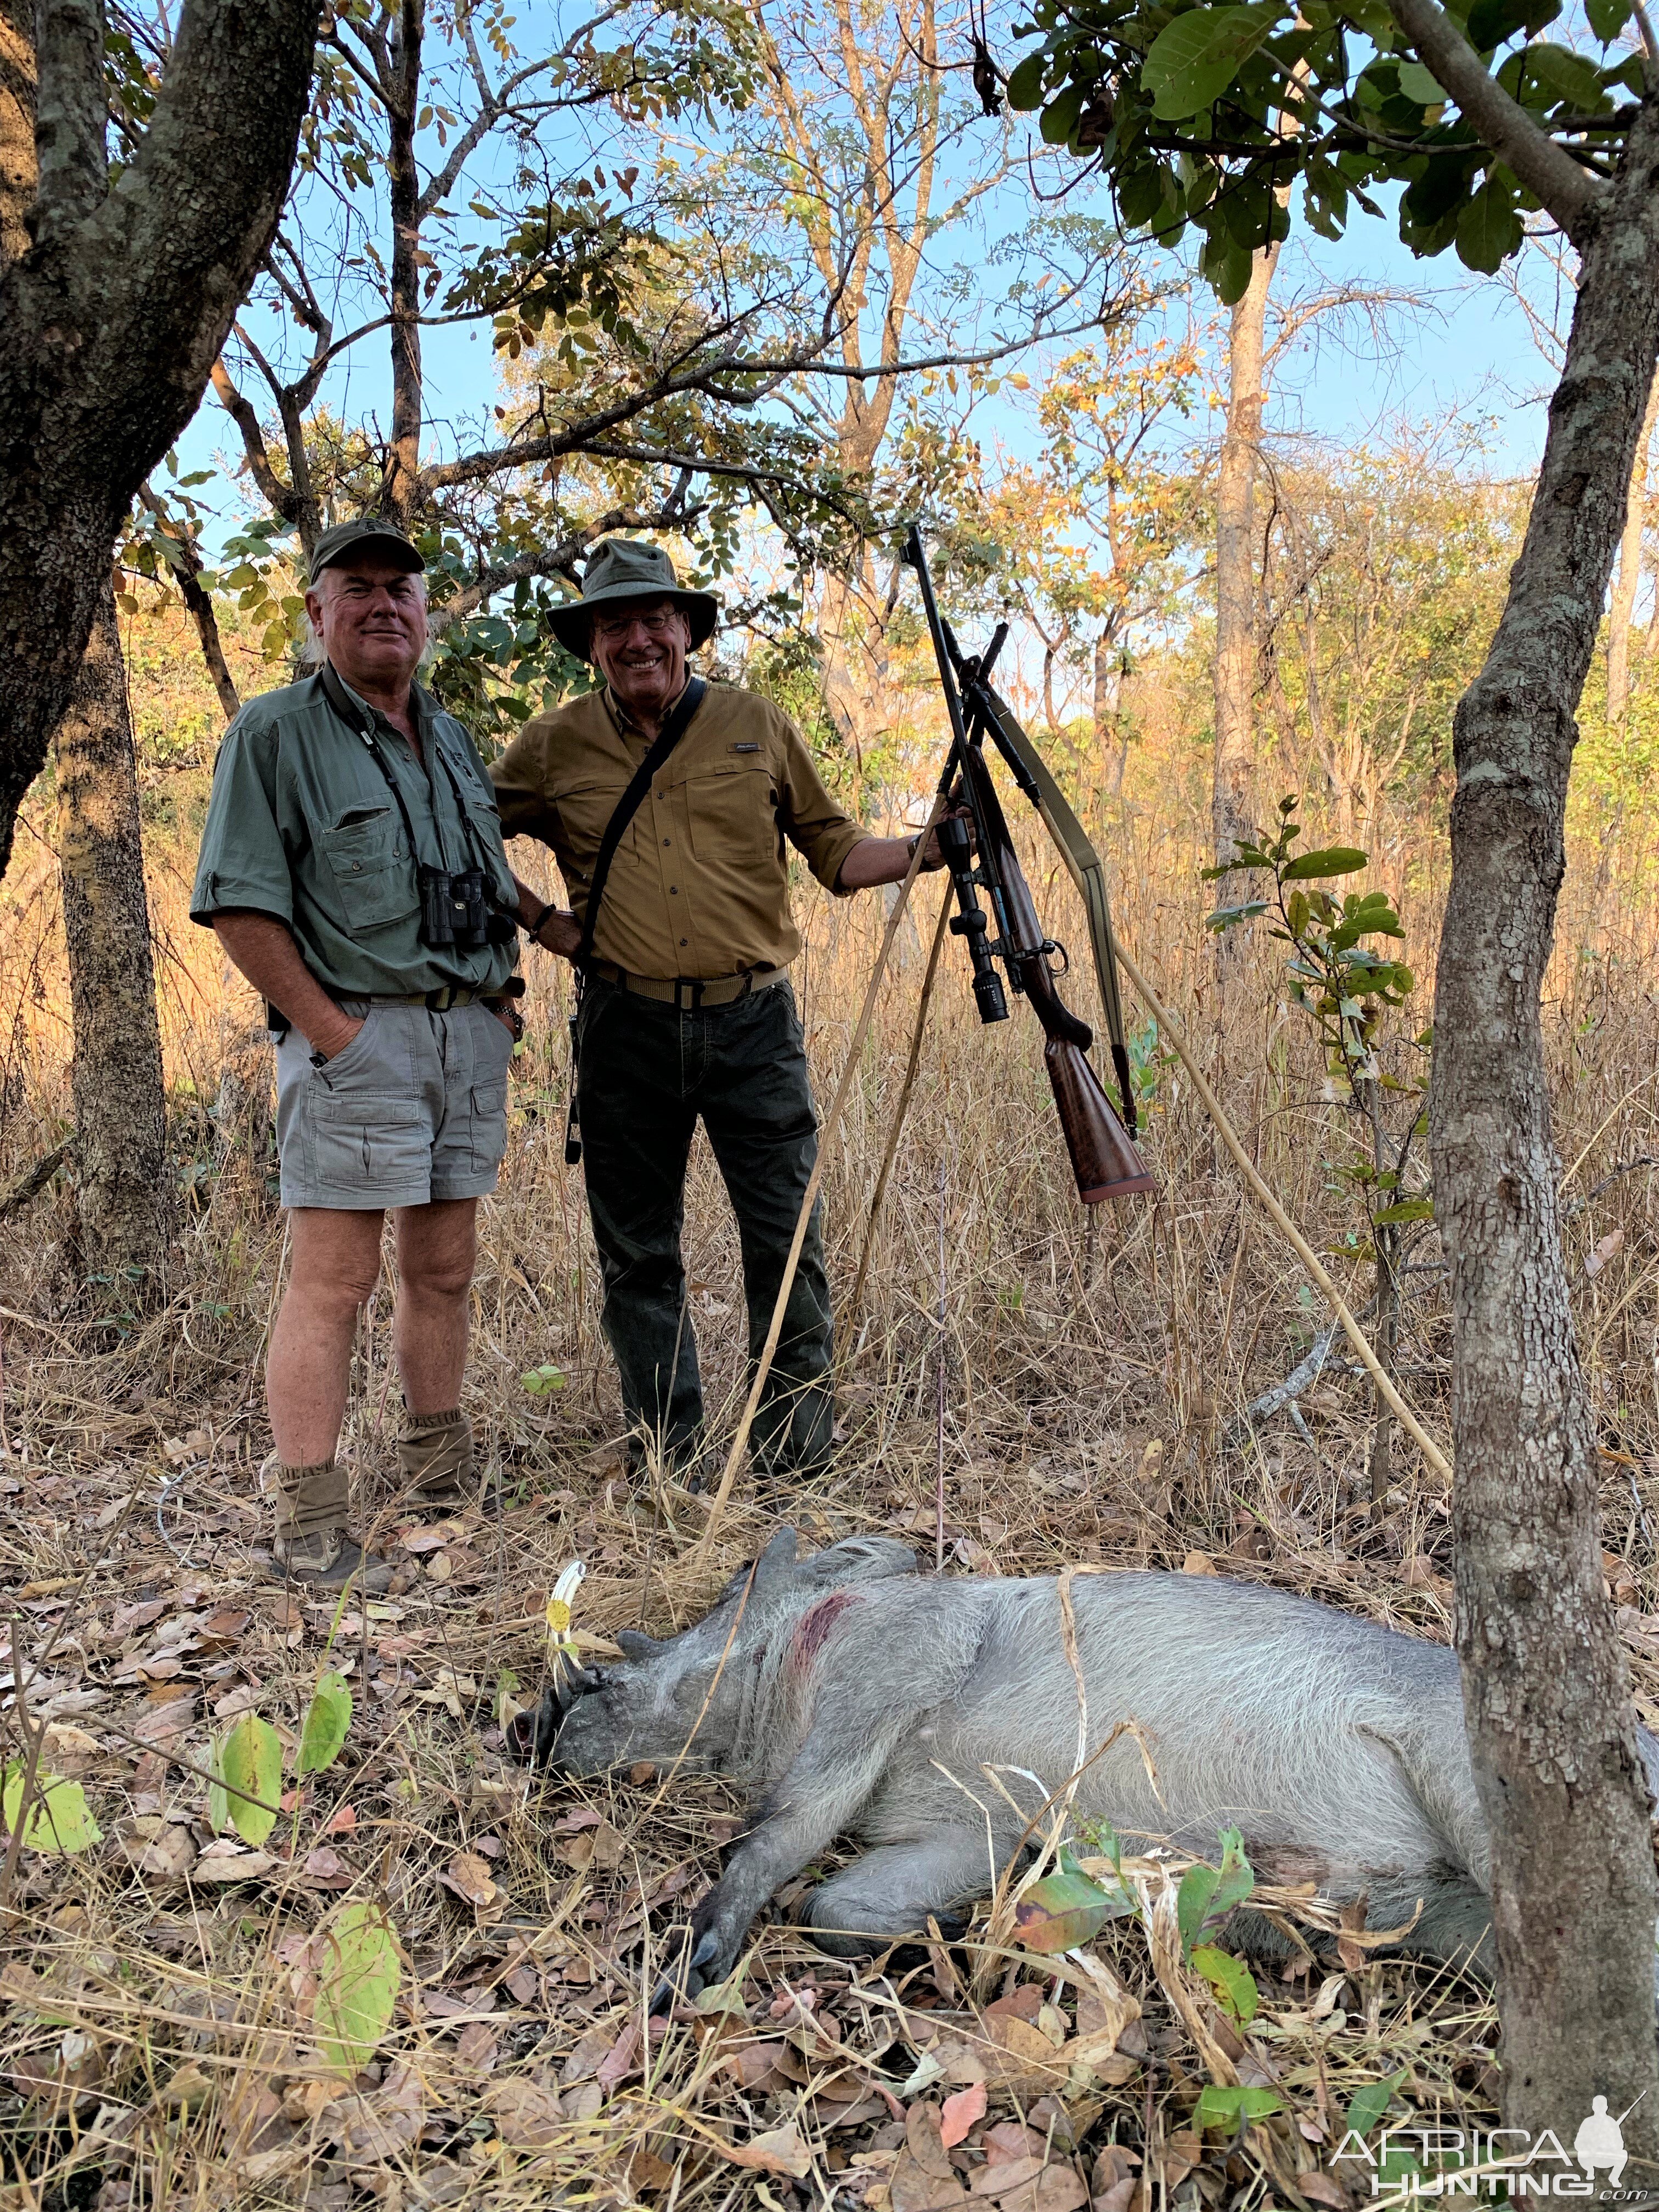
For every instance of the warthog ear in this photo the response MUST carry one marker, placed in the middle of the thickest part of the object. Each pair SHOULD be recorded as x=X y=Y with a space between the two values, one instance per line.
x=634 y=1643
x=776 y=1563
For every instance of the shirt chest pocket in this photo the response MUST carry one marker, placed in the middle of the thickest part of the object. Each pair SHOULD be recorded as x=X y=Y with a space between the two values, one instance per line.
x=584 y=817
x=732 y=814
x=367 y=852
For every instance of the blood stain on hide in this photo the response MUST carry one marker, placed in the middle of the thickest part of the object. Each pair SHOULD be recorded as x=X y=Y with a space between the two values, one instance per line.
x=812 y=1629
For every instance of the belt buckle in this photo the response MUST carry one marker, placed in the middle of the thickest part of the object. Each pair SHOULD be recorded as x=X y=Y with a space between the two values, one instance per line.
x=440 y=1000
x=683 y=984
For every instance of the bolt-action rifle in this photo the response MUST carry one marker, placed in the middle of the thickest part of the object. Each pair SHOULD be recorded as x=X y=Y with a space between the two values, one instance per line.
x=1104 y=1160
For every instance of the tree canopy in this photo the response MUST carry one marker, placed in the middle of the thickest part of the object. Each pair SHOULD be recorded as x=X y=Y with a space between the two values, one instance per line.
x=1208 y=115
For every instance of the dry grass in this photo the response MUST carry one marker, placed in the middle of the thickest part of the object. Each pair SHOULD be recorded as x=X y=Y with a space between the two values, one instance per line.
x=1096 y=1368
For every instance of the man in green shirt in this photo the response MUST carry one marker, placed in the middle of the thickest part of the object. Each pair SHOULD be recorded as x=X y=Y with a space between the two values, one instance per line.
x=353 y=869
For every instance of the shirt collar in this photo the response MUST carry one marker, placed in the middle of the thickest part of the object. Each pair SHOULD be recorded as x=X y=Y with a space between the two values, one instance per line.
x=427 y=709
x=624 y=721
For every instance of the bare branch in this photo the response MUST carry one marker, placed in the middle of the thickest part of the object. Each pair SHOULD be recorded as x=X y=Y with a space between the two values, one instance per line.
x=275 y=493
x=185 y=563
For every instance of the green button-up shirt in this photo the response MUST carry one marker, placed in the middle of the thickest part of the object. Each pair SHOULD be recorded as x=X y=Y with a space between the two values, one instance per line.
x=303 y=826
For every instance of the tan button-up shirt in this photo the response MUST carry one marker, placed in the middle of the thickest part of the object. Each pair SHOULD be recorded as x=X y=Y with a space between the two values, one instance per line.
x=698 y=887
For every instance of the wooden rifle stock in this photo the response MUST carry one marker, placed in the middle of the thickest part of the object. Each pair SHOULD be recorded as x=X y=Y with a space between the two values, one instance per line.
x=1103 y=1157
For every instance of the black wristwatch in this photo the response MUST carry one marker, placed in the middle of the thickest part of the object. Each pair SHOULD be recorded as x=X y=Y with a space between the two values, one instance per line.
x=533 y=929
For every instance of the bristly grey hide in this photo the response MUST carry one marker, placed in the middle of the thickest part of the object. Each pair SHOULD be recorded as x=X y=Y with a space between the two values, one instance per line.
x=850 y=1696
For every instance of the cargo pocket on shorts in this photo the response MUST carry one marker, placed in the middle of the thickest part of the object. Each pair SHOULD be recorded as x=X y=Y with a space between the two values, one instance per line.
x=487 y=1101
x=361 y=1147
x=362 y=1140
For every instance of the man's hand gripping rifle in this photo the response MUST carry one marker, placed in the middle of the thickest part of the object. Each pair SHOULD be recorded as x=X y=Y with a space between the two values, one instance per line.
x=1105 y=1161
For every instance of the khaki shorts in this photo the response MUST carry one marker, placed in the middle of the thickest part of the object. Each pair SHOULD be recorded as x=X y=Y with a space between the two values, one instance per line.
x=414 y=1109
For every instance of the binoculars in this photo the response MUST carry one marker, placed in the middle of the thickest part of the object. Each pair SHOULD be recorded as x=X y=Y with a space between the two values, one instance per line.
x=457 y=910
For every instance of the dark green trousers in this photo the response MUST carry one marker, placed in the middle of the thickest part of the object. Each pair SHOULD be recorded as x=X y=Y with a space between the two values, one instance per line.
x=646 y=1073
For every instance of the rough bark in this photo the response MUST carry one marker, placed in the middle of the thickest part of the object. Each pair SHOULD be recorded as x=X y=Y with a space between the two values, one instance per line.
x=113 y=317
x=400 y=490
x=1544 y=1683
x=122 y=1196
x=17 y=98
x=1622 y=604
x=1232 y=807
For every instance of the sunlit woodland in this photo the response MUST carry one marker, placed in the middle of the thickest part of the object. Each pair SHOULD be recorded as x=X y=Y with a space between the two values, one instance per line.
x=1241 y=362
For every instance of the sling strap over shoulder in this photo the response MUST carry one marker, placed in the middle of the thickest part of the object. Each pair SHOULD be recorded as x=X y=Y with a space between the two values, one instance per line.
x=629 y=806
x=626 y=808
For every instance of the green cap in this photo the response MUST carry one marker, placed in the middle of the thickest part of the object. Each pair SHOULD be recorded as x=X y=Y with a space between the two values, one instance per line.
x=622 y=568
x=367 y=533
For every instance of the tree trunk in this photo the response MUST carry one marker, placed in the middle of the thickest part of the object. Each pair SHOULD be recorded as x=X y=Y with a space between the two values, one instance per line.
x=113 y=316
x=1622 y=605
x=123 y=1205
x=400 y=491
x=1232 y=807
x=1545 y=1687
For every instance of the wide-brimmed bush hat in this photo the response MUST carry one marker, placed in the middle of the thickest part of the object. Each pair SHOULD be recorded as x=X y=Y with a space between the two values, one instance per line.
x=622 y=568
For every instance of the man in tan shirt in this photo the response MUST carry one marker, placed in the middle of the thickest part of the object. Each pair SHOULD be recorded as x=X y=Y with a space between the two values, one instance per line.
x=686 y=1008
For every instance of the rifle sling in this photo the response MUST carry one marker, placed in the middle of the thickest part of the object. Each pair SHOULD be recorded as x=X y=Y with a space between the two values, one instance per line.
x=629 y=806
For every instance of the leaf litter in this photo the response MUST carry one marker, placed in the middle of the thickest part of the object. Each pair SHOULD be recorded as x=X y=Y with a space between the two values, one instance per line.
x=419 y=1981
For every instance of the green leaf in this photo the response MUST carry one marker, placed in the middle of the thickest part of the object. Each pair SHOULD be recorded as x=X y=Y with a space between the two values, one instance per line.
x=1608 y=18
x=1194 y=58
x=1408 y=1209
x=1140 y=195
x=1233 y=1983
x=1231 y=2108
x=1024 y=86
x=1333 y=861
x=1488 y=230
x=1065 y=1910
x=358 y=1988
x=253 y=1763
x=1369 y=2104
x=58 y=1819
x=543 y=1381
x=327 y=1718
x=1059 y=116
x=1237 y=1877
x=1421 y=85
x=1198 y=1886
x=1564 y=77
x=218 y=1804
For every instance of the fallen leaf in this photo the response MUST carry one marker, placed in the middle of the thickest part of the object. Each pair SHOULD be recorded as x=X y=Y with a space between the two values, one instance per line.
x=476 y=2045
x=326 y=1869
x=1323 y=2189
x=1198 y=1563
x=156 y=1847
x=469 y=1876
x=924 y=2140
x=622 y=2060
x=525 y=2115
x=961 y=2113
x=223 y=1860
x=779 y=2150
x=1352 y=1917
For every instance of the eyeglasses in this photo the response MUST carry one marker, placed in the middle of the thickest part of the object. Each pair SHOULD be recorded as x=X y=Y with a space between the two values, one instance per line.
x=613 y=627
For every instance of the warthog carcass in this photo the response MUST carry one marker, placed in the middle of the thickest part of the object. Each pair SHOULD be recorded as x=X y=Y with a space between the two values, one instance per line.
x=852 y=1697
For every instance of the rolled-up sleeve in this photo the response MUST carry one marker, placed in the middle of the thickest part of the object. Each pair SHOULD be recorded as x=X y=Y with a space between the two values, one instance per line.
x=824 y=833
x=244 y=865
x=520 y=779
